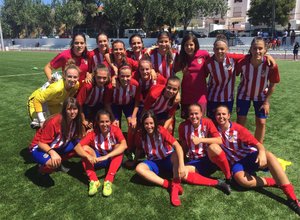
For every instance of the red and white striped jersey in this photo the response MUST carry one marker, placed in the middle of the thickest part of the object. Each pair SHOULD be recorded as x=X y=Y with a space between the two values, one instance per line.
x=131 y=55
x=102 y=144
x=146 y=85
x=161 y=64
x=96 y=57
x=186 y=131
x=156 y=101
x=221 y=78
x=123 y=95
x=158 y=146
x=255 y=80
x=50 y=133
x=238 y=142
x=90 y=95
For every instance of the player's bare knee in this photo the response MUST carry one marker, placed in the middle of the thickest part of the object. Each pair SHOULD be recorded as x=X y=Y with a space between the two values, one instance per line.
x=214 y=149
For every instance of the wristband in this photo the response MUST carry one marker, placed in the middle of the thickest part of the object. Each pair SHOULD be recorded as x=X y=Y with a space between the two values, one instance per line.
x=49 y=150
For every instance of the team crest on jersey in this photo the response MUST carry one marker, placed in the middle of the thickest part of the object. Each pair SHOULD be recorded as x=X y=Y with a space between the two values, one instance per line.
x=85 y=61
x=199 y=60
x=229 y=66
x=231 y=138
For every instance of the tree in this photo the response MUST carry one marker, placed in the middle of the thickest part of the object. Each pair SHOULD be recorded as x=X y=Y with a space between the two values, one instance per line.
x=118 y=12
x=69 y=14
x=260 y=11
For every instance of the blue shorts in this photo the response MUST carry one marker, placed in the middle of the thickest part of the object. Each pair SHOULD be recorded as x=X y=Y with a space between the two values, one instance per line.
x=247 y=164
x=126 y=109
x=211 y=107
x=41 y=157
x=102 y=164
x=158 y=165
x=204 y=166
x=90 y=112
x=242 y=108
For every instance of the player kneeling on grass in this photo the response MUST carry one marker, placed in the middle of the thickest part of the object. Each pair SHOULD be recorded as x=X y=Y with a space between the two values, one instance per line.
x=56 y=139
x=158 y=145
x=102 y=147
x=247 y=156
x=47 y=101
x=200 y=139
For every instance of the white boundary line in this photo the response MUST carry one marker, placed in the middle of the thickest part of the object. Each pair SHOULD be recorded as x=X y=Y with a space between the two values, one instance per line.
x=24 y=74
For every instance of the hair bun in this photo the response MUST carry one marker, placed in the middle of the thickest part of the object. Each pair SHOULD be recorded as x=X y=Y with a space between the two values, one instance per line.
x=70 y=62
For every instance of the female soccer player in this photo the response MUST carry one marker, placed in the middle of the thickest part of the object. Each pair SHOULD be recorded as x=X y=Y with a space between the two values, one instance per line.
x=191 y=61
x=119 y=58
x=247 y=155
x=200 y=139
x=162 y=100
x=91 y=95
x=257 y=84
x=44 y=102
x=124 y=99
x=55 y=141
x=102 y=147
x=158 y=145
x=78 y=52
x=220 y=69
x=163 y=57
x=100 y=54
x=137 y=47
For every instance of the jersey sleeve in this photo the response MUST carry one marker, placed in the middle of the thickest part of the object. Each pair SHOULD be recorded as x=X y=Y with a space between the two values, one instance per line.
x=45 y=95
x=118 y=134
x=49 y=131
x=274 y=76
x=58 y=61
x=212 y=130
x=88 y=139
x=152 y=95
x=166 y=136
x=245 y=136
x=83 y=93
x=236 y=56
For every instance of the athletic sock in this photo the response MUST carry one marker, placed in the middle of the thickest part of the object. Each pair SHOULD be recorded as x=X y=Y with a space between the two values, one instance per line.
x=89 y=169
x=288 y=190
x=113 y=167
x=222 y=162
x=175 y=188
x=270 y=181
x=43 y=169
x=198 y=179
x=166 y=184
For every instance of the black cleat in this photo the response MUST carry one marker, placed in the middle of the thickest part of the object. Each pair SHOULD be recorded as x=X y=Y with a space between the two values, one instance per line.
x=294 y=205
x=222 y=185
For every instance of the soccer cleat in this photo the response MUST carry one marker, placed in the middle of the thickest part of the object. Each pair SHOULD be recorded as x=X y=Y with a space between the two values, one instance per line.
x=294 y=205
x=175 y=189
x=93 y=187
x=107 y=188
x=222 y=185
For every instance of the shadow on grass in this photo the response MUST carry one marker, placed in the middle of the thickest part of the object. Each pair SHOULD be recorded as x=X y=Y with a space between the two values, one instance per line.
x=136 y=179
x=26 y=156
x=271 y=195
x=36 y=178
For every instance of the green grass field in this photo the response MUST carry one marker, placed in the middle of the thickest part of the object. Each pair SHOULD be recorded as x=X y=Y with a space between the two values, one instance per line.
x=132 y=198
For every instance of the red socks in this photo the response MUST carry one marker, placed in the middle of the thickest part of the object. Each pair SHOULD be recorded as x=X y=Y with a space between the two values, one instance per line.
x=166 y=184
x=89 y=169
x=176 y=190
x=43 y=169
x=288 y=190
x=222 y=162
x=270 y=181
x=198 y=179
x=113 y=167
